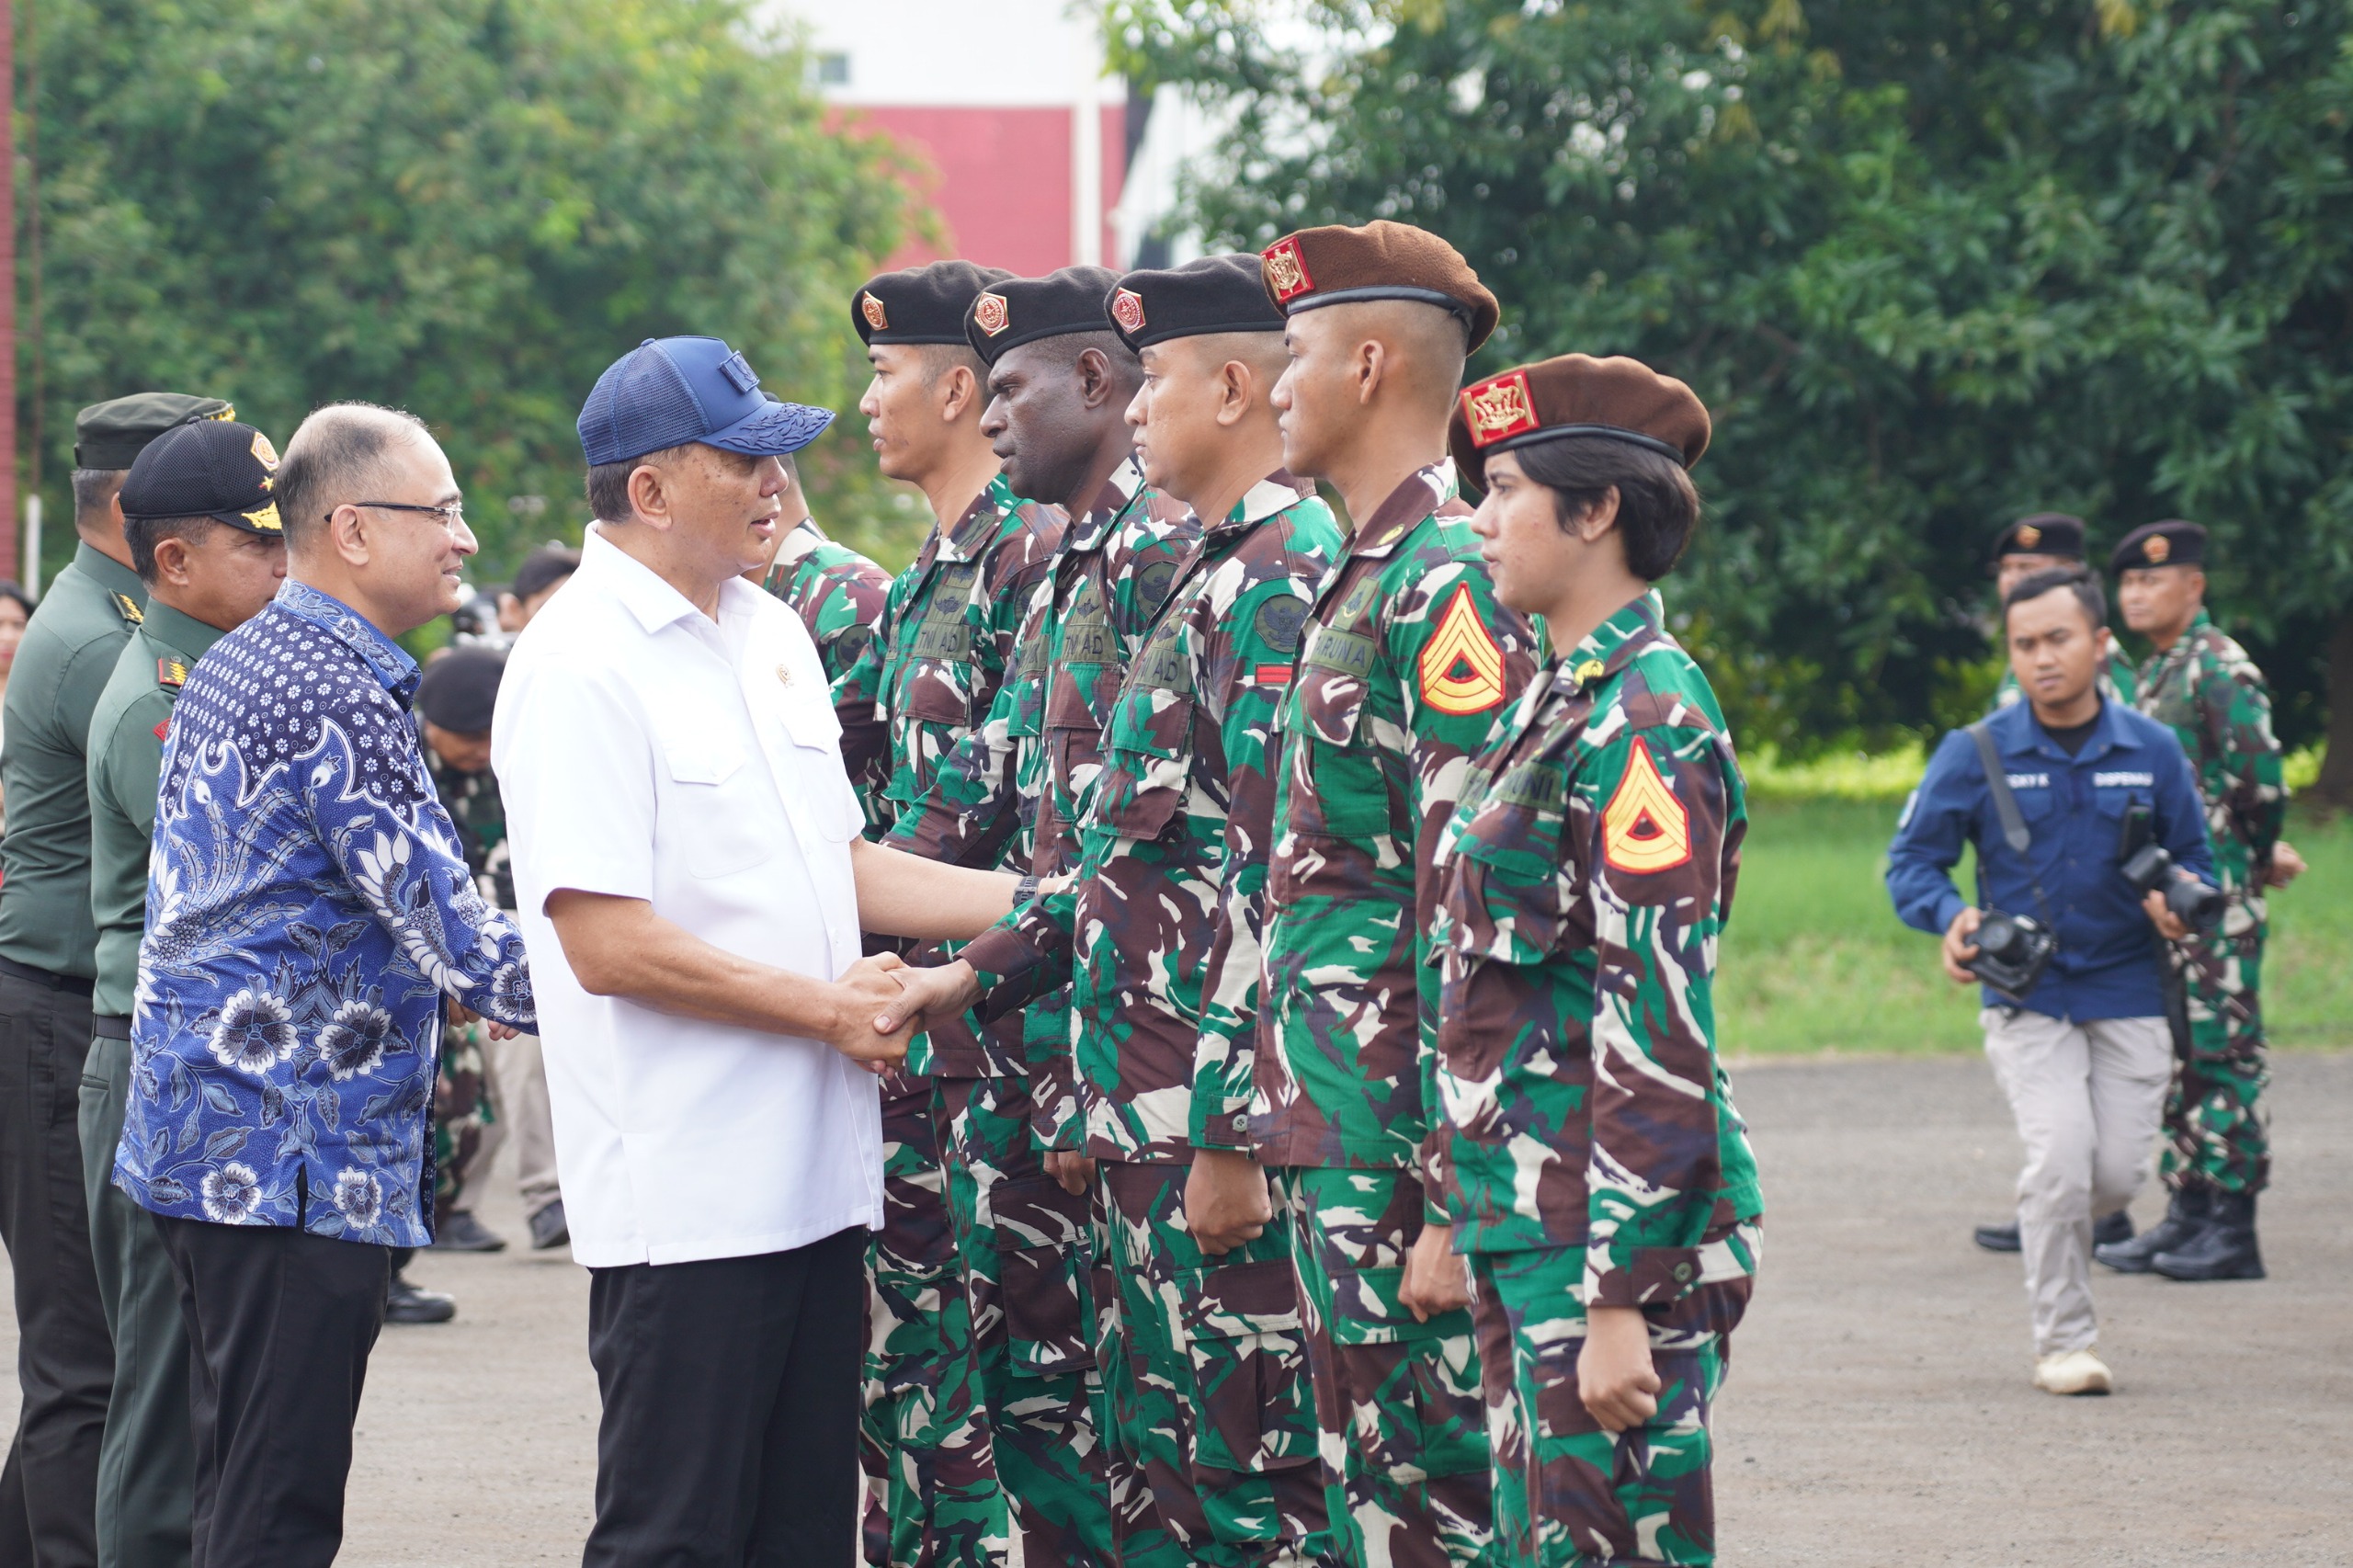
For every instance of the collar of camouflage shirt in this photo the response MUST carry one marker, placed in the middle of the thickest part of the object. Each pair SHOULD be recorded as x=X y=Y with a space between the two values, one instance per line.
x=1611 y=646
x=1119 y=493
x=1424 y=492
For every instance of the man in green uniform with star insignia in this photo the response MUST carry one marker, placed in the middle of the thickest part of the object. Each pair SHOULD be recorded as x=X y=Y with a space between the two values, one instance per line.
x=1208 y=1400
x=204 y=535
x=944 y=645
x=1594 y=1167
x=1408 y=665
x=2199 y=681
x=47 y=955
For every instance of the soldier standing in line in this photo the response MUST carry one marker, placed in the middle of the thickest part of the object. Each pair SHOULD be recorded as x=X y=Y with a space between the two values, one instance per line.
x=48 y=956
x=1594 y=1167
x=1159 y=936
x=2197 y=679
x=839 y=596
x=205 y=538
x=942 y=649
x=1060 y=383
x=2046 y=542
x=1407 y=666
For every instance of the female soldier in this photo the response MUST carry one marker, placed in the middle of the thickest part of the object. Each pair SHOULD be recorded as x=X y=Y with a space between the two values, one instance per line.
x=1597 y=1173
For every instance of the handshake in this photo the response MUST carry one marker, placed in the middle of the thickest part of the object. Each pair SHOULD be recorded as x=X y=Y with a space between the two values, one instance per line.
x=882 y=1001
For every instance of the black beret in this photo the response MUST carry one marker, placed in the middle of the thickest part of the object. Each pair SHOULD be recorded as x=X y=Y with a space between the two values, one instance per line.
x=922 y=305
x=459 y=691
x=2045 y=533
x=2173 y=542
x=1023 y=310
x=207 y=468
x=542 y=570
x=1382 y=260
x=1217 y=293
x=112 y=434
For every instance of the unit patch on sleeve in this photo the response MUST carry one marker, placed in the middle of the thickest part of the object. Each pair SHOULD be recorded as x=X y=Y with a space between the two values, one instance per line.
x=1644 y=828
x=1462 y=668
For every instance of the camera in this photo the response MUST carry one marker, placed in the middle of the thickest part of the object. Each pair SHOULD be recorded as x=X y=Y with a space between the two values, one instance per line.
x=2149 y=869
x=2012 y=952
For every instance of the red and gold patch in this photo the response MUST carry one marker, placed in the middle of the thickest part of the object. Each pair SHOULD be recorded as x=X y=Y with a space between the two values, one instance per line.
x=2029 y=536
x=1499 y=408
x=163 y=729
x=1462 y=667
x=989 y=313
x=1127 y=309
x=1644 y=828
x=2156 y=549
x=1287 y=270
x=171 y=673
x=877 y=319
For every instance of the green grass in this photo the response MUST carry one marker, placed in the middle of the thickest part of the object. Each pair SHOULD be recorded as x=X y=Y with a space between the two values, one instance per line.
x=1815 y=960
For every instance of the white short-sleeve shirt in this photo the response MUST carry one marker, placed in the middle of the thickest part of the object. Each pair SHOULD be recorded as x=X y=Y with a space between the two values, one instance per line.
x=644 y=752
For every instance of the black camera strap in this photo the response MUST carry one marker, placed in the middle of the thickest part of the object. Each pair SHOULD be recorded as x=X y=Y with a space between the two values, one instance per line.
x=2006 y=808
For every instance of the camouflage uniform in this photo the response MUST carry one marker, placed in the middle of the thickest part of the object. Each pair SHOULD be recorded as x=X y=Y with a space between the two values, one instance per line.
x=1023 y=1241
x=932 y=670
x=1408 y=663
x=463 y=1109
x=839 y=596
x=1210 y=1410
x=1586 y=1141
x=2209 y=691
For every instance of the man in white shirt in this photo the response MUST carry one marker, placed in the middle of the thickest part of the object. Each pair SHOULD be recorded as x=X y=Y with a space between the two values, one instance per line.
x=692 y=882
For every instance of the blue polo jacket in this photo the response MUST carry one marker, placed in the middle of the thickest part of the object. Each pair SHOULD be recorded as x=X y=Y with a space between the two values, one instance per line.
x=2108 y=963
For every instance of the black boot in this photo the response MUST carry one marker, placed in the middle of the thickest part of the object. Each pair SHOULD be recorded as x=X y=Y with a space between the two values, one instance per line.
x=2114 y=1231
x=2223 y=1249
x=2117 y=1227
x=2185 y=1217
x=1998 y=1238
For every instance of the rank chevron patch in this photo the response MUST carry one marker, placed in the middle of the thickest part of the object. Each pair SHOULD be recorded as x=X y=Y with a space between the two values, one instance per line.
x=1462 y=667
x=1644 y=827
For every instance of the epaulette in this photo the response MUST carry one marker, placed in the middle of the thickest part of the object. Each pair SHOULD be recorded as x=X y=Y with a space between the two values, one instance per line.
x=128 y=607
x=171 y=674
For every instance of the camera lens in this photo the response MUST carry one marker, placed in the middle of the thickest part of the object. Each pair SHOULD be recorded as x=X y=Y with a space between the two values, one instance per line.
x=2198 y=906
x=1998 y=938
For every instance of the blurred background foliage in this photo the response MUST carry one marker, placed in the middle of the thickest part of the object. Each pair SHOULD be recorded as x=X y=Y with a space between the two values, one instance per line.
x=462 y=208
x=1932 y=265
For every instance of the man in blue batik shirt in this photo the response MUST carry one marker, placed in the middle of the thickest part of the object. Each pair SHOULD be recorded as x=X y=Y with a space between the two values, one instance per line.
x=309 y=909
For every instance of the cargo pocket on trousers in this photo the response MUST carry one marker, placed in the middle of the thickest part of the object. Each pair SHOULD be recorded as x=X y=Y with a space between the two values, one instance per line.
x=1252 y=1405
x=1042 y=1268
x=1447 y=1434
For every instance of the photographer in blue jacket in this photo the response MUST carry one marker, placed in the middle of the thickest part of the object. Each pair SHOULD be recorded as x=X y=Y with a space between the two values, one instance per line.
x=2091 y=844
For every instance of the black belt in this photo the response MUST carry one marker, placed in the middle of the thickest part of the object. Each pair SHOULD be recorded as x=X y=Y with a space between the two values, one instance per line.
x=105 y=1027
x=42 y=977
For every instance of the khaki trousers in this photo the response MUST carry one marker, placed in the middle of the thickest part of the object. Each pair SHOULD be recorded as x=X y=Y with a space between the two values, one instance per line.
x=2088 y=1097
x=519 y=1101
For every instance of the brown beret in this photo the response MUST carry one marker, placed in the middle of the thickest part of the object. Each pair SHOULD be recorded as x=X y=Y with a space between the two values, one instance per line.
x=1576 y=395
x=1333 y=266
x=2173 y=542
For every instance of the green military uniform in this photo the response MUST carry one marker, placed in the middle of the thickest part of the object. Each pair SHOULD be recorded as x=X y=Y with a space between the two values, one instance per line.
x=1408 y=663
x=941 y=650
x=463 y=1111
x=1021 y=1238
x=146 y=1471
x=1212 y=1407
x=839 y=596
x=1590 y=1152
x=2206 y=687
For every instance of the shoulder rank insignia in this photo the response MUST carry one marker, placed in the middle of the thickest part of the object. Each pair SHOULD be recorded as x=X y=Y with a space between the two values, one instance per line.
x=1462 y=667
x=1644 y=828
x=171 y=673
x=1591 y=670
x=128 y=607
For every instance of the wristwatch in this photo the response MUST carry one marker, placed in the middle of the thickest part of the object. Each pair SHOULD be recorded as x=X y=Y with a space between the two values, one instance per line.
x=1024 y=891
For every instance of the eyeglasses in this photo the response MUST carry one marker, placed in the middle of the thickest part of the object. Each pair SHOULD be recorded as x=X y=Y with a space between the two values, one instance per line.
x=452 y=517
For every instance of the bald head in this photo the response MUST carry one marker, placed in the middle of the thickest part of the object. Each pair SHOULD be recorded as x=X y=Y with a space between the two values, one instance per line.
x=338 y=456
x=1423 y=345
x=1369 y=386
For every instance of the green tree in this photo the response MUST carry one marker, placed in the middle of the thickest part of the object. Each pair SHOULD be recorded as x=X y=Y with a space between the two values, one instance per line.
x=1931 y=264
x=462 y=208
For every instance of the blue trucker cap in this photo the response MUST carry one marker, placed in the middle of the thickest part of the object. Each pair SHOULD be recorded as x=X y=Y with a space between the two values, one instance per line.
x=670 y=390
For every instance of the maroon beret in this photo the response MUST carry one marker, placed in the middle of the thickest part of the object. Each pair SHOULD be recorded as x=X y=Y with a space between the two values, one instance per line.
x=1334 y=266
x=1576 y=395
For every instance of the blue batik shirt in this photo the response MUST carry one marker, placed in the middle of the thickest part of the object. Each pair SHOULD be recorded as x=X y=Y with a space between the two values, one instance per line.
x=308 y=906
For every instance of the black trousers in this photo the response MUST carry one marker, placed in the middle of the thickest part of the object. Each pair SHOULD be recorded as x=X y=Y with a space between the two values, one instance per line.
x=279 y=1325
x=64 y=1357
x=730 y=1431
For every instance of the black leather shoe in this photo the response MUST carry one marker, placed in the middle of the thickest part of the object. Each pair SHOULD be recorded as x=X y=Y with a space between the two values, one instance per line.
x=405 y=1303
x=1998 y=1238
x=462 y=1233
x=2224 y=1248
x=2116 y=1228
x=2184 y=1216
x=549 y=1229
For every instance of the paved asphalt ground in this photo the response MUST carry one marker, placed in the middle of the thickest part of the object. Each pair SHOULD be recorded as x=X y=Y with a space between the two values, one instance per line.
x=1878 y=1411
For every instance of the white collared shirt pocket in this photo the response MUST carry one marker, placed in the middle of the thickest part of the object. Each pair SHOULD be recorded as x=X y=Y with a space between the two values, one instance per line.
x=715 y=786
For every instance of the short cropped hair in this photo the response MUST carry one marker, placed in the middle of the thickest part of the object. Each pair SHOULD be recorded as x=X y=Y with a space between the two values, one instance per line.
x=93 y=489
x=1658 y=507
x=938 y=359
x=2081 y=580
x=608 y=482
x=1062 y=351
x=143 y=534
x=335 y=456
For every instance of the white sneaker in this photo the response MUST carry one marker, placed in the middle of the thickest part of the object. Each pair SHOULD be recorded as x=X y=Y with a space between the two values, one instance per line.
x=2072 y=1372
